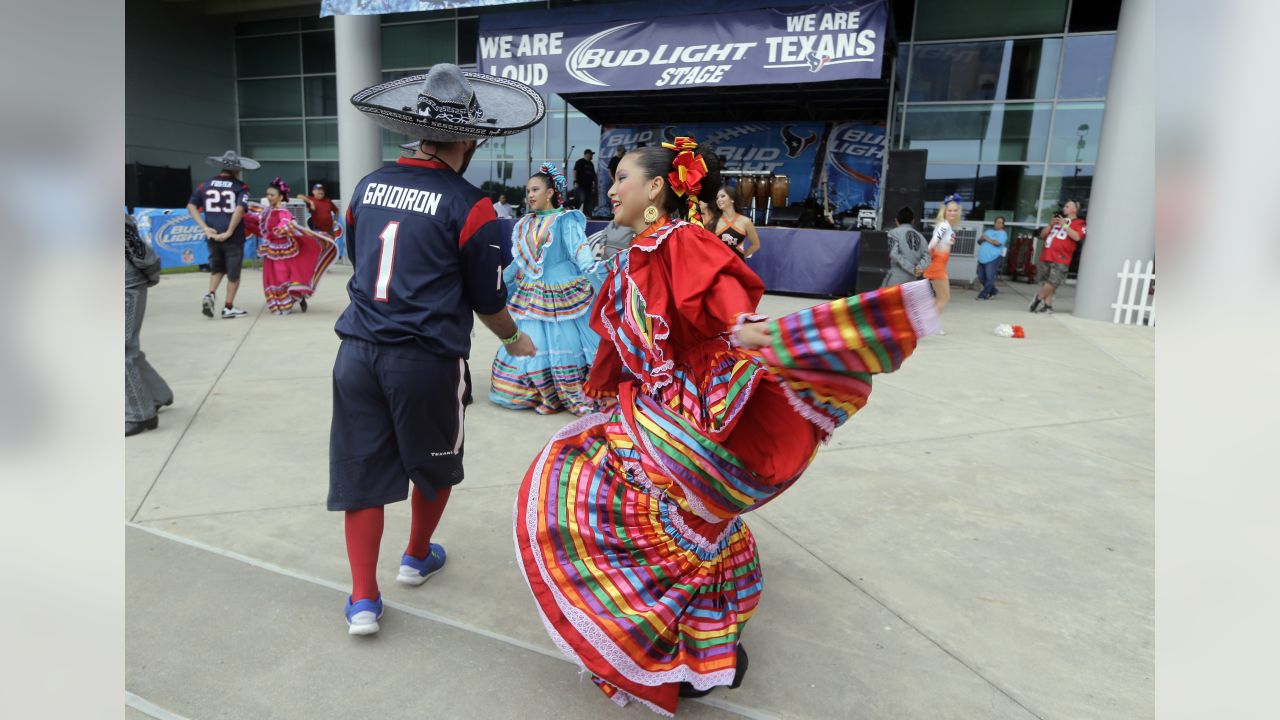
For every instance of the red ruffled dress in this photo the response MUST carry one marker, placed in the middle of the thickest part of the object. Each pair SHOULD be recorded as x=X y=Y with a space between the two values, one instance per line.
x=628 y=525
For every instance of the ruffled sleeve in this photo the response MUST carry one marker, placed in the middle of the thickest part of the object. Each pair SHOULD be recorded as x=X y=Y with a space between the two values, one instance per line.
x=711 y=285
x=571 y=230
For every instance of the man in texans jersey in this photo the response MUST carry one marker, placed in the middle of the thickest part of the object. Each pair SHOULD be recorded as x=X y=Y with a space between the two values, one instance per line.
x=223 y=199
x=425 y=247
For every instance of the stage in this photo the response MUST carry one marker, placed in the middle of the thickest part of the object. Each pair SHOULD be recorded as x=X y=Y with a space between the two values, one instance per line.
x=791 y=260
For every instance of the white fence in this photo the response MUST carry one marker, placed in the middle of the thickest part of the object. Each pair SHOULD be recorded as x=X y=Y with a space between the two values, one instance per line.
x=1136 y=301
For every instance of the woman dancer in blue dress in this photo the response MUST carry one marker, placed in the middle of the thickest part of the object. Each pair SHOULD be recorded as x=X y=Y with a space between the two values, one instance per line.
x=551 y=283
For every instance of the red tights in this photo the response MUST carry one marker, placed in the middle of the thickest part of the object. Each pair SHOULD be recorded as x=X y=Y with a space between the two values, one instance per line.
x=364 y=535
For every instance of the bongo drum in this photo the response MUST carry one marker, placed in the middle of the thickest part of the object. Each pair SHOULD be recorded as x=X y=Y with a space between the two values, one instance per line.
x=745 y=190
x=764 y=186
x=781 y=190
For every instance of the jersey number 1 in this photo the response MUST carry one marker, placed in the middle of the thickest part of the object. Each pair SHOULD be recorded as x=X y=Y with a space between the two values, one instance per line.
x=387 y=262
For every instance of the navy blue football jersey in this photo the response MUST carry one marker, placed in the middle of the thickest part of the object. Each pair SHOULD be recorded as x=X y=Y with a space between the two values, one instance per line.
x=426 y=249
x=218 y=197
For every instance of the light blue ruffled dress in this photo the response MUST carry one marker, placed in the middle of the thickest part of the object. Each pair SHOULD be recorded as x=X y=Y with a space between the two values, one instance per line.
x=551 y=284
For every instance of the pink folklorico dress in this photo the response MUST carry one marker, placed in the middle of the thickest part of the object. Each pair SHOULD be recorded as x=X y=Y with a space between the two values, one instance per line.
x=293 y=256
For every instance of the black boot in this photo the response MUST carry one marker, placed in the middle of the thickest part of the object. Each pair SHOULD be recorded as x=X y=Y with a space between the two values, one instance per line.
x=133 y=428
x=304 y=304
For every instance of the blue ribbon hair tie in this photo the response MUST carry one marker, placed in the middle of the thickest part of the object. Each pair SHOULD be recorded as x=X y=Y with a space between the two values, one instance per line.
x=952 y=198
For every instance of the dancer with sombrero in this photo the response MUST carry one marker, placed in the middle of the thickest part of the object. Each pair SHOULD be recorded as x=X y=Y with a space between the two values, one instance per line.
x=223 y=199
x=426 y=253
x=628 y=525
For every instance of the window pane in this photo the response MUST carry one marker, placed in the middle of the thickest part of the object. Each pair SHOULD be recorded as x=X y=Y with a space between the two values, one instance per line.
x=1010 y=69
x=272 y=140
x=1094 y=15
x=270 y=98
x=267 y=26
x=391 y=143
x=486 y=175
x=419 y=45
x=290 y=172
x=317 y=53
x=322 y=95
x=311 y=22
x=1066 y=182
x=1075 y=133
x=947 y=20
x=468 y=39
x=1086 y=66
x=325 y=173
x=274 y=55
x=985 y=190
x=979 y=133
x=322 y=139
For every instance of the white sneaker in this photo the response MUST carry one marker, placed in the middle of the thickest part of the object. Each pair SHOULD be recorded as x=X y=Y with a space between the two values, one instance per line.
x=363 y=616
x=232 y=312
x=207 y=303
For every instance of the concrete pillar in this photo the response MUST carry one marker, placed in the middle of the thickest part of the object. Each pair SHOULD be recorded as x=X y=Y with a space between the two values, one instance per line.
x=357 y=45
x=1122 y=201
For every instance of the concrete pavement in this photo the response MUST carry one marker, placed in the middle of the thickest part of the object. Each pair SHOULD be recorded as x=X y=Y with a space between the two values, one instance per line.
x=976 y=543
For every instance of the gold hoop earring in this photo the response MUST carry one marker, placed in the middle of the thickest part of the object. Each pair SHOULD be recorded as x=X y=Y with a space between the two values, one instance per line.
x=651 y=214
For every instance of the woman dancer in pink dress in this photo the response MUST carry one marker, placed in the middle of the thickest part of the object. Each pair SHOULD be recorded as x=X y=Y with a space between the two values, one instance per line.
x=293 y=256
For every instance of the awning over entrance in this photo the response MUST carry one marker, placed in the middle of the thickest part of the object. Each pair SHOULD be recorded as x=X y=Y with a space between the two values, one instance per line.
x=835 y=102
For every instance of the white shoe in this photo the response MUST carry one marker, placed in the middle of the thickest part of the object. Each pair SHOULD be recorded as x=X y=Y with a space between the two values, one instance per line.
x=207 y=303
x=232 y=312
x=942 y=332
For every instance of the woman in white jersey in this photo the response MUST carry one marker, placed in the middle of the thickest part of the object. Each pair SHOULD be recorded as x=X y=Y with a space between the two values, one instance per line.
x=944 y=235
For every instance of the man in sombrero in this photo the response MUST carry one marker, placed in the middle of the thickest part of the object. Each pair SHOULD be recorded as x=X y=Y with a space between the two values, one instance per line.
x=223 y=199
x=425 y=249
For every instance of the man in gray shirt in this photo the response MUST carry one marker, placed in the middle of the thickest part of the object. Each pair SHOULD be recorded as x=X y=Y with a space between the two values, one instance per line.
x=908 y=251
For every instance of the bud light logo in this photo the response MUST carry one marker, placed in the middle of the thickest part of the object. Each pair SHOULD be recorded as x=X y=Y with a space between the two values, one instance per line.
x=175 y=231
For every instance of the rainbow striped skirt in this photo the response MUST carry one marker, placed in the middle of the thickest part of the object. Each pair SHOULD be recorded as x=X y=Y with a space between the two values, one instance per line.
x=628 y=526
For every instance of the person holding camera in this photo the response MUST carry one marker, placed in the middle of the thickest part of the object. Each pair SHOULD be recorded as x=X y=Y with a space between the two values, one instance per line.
x=1061 y=239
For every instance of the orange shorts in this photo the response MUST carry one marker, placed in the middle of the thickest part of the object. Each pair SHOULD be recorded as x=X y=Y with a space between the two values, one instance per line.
x=937 y=269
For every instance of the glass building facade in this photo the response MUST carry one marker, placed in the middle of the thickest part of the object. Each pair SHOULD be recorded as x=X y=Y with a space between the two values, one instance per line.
x=1006 y=97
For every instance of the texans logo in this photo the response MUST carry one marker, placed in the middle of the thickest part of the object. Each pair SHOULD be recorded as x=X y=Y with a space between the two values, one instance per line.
x=796 y=144
x=817 y=63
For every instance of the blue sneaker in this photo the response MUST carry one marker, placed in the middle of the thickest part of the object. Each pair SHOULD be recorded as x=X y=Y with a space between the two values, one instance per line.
x=363 y=616
x=415 y=572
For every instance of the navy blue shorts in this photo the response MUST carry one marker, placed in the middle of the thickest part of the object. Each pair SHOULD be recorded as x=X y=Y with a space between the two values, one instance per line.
x=397 y=417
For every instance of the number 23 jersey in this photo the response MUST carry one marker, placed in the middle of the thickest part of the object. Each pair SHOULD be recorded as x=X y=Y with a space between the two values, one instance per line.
x=427 y=251
x=218 y=197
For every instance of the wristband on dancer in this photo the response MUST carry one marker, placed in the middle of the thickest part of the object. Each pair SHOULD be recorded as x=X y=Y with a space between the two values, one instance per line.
x=511 y=340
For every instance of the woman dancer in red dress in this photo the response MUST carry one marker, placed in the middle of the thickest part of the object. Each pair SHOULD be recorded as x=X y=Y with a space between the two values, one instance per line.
x=628 y=525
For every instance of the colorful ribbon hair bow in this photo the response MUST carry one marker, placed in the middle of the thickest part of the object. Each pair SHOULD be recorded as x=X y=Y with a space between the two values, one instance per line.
x=557 y=177
x=952 y=198
x=280 y=185
x=688 y=170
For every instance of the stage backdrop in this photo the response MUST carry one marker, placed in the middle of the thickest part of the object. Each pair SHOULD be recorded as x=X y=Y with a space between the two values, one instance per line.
x=853 y=154
x=765 y=46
